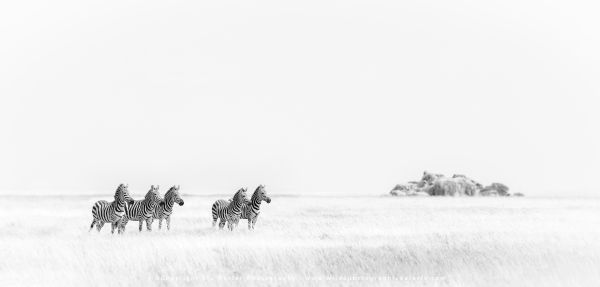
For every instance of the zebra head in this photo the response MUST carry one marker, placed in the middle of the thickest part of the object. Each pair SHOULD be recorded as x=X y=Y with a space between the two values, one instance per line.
x=240 y=195
x=262 y=194
x=153 y=195
x=174 y=193
x=122 y=194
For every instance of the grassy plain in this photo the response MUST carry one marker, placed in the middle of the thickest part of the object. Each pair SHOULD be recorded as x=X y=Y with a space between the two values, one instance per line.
x=309 y=240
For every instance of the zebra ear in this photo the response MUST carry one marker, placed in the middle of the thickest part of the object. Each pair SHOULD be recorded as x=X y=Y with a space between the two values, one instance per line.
x=158 y=186
x=152 y=186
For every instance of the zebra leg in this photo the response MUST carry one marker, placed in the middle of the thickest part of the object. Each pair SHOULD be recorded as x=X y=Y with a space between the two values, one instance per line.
x=231 y=224
x=141 y=224
x=249 y=223
x=221 y=223
x=168 y=219
x=149 y=224
x=121 y=225
x=113 y=225
x=159 y=223
x=99 y=225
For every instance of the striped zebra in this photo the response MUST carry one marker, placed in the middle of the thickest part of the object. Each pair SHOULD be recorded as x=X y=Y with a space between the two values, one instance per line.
x=217 y=210
x=112 y=212
x=251 y=209
x=142 y=210
x=165 y=206
x=229 y=212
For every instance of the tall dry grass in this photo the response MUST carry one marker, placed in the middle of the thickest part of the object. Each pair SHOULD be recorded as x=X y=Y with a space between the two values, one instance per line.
x=310 y=240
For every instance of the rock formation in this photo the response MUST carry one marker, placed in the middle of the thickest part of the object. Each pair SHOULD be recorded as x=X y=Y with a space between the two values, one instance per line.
x=495 y=189
x=433 y=184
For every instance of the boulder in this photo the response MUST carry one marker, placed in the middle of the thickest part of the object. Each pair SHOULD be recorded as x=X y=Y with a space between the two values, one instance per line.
x=396 y=192
x=408 y=189
x=400 y=189
x=495 y=188
x=458 y=186
x=488 y=192
x=429 y=178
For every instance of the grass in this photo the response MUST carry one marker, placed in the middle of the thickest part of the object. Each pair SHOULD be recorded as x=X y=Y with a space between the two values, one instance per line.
x=310 y=240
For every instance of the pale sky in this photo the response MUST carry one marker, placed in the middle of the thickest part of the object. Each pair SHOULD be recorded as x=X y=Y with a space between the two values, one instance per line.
x=304 y=96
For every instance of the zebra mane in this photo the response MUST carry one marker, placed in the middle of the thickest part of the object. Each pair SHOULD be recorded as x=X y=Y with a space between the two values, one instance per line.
x=119 y=190
x=255 y=194
x=172 y=189
x=152 y=191
x=170 y=193
x=120 y=187
x=237 y=195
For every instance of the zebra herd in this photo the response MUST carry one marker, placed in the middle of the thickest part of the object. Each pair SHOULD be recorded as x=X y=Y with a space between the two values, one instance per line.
x=239 y=207
x=124 y=209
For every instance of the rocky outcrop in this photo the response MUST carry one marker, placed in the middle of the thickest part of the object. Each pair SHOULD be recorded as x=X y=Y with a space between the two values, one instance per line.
x=456 y=186
x=409 y=189
x=429 y=178
x=435 y=184
x=495 y=189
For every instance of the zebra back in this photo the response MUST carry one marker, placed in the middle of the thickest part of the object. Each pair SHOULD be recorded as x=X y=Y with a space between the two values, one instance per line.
x=143 y=209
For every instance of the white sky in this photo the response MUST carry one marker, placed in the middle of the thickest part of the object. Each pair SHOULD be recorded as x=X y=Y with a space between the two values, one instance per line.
x=311 y=96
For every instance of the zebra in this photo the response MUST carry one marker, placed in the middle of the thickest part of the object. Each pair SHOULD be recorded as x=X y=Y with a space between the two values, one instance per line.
x=112 y=212
x=251 y=209
x=165 y=206
x=142 y=210
x=217 y=210
x=229 y=212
